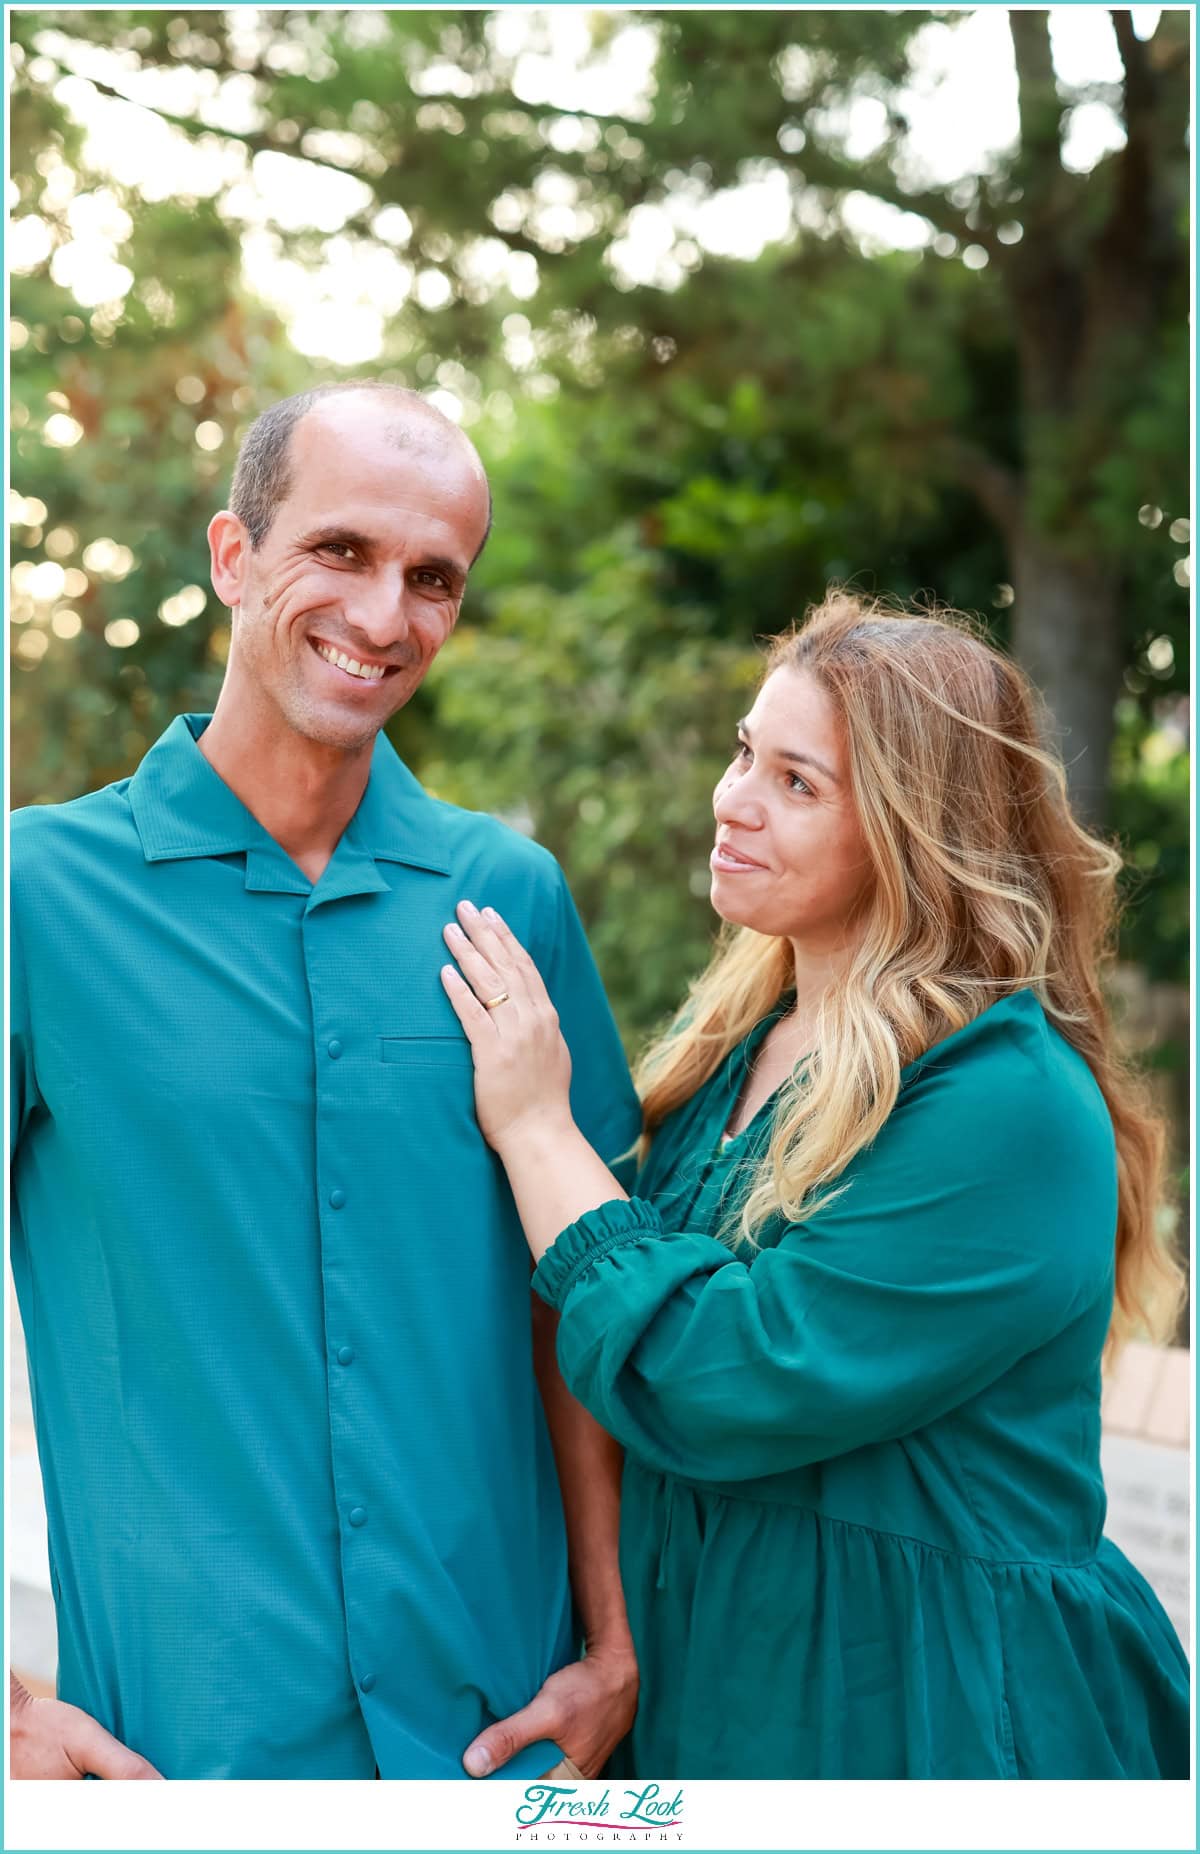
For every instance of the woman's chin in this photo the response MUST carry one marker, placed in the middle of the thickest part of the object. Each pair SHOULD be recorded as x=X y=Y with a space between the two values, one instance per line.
x=728 y=906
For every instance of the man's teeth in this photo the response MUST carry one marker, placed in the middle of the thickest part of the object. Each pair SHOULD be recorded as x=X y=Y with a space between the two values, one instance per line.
x=369 y=672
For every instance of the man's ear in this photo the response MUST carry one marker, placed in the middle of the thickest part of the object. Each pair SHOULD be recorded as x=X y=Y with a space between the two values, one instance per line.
x=229 y=551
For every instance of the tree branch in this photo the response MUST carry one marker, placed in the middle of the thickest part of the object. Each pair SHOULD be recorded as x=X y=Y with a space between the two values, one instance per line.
x=995 y=486
x=1139 y=79
x=1038 y=104
x=260 y=142
x=821 y=167
x=1133 y=195
x=194 y=126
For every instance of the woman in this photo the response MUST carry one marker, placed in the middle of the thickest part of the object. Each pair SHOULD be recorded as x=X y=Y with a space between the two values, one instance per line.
x=849 y=1329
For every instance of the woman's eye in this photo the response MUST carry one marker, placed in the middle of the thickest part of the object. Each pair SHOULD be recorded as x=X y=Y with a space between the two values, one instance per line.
x=742 y=751
x=797 y=784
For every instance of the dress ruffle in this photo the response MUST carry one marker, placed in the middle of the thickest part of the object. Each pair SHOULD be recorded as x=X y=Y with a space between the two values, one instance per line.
x=853 y=1654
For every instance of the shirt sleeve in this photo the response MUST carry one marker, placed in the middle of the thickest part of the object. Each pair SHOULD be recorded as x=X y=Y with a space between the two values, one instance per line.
x=974 y=1230
x=23 y=1095
x=603 y=1102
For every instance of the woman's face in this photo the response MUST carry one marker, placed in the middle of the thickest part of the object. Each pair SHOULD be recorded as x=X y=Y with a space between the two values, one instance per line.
x=790 y=858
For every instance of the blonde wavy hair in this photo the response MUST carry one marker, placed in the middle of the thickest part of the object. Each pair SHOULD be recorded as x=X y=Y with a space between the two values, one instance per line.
x=984 y=884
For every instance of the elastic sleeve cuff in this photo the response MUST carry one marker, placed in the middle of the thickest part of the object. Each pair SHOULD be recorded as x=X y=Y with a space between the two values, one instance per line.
x=610 y=1226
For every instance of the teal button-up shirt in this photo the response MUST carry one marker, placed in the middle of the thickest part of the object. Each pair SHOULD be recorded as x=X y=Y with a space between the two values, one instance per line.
x=302 y=1509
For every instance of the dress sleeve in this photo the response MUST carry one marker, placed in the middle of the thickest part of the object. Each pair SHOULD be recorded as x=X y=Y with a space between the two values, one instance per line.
x=976 y=1228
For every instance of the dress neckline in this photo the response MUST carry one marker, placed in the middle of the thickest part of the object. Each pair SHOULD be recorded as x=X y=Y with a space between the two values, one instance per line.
x=1016 y=1002
x=738 y=1070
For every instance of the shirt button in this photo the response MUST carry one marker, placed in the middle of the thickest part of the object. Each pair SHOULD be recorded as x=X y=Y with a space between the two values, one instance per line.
x=337 y=1199
x=367 y=1683
x=357 y=1515
x=345 y=1355
x=335 y=1049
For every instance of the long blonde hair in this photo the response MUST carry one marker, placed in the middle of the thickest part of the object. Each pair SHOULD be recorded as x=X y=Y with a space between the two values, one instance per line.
x=984 y=884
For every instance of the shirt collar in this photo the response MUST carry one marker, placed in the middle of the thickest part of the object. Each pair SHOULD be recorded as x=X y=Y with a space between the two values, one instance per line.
x=183 y=808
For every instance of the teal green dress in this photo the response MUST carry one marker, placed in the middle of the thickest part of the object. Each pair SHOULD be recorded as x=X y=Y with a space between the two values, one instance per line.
x=862 y=1517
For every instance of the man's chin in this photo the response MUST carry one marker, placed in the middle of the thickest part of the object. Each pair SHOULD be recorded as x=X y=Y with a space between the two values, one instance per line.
x=333 y=725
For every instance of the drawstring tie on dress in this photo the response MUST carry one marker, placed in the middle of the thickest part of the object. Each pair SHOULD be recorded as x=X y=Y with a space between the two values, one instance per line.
x=660 y=1582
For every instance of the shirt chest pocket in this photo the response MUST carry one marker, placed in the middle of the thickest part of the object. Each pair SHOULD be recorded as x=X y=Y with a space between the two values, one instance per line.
x=427 y=1052
x=426 y=1085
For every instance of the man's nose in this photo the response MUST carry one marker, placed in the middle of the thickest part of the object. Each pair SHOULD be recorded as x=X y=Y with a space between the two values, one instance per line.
x=380 y=610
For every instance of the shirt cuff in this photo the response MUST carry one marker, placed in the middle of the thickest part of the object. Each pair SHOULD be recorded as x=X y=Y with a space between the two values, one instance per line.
x=585 y=1241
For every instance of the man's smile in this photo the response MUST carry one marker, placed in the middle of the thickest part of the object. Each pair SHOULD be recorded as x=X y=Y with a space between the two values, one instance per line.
x=351 y=666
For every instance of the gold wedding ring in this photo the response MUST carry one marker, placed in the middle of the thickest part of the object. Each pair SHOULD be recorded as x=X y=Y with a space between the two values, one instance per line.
x=489 y=1004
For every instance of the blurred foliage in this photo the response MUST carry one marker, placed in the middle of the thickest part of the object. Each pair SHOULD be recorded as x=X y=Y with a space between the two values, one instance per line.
x=680 y=464
x=1152 y=790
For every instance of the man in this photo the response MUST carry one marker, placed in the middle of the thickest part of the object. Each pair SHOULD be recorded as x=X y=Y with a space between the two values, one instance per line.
x=302 y=1510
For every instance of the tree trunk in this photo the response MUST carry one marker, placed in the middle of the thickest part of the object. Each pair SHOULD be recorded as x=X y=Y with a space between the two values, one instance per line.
x=1066 y=634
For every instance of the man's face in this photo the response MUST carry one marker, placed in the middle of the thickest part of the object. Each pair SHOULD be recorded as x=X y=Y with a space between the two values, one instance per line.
x=358 y=581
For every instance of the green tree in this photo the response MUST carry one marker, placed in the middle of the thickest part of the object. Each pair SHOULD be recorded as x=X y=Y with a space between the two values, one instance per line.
x=1059 y=427
x=679 y=462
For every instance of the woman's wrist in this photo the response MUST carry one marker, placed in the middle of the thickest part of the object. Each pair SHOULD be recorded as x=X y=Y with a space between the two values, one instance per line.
x=553 y=1173
x=539 y=1135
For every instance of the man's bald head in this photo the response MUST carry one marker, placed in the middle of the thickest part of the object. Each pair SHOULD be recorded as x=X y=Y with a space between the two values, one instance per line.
x=262 y=474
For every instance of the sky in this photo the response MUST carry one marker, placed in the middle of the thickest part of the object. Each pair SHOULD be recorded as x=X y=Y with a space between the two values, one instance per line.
x=962 y=103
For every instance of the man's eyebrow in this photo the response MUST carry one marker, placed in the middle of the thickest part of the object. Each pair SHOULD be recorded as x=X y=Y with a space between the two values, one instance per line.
x=334 y=531
x=801 y=759
x=442 y=563
x=351 y=537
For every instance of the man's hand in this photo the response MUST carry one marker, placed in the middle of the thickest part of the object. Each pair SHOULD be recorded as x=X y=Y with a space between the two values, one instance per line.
x=586 y=1708
x=50 y=1739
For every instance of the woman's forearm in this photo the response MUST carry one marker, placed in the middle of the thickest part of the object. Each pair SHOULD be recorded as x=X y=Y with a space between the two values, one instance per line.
x=554 y=1176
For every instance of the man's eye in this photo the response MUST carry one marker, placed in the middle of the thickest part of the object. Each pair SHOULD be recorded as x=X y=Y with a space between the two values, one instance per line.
x=341 y=550
x=432 y=579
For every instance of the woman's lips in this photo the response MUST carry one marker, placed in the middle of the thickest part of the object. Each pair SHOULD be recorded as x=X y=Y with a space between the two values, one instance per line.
x=728 y=861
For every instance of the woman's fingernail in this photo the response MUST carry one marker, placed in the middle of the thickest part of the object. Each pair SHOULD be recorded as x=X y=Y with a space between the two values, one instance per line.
x=478 y=1762
x=452 y=927
x=490 y=914
x=468 y=907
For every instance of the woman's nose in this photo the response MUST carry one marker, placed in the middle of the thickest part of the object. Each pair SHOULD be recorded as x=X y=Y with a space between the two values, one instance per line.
x=734 y=801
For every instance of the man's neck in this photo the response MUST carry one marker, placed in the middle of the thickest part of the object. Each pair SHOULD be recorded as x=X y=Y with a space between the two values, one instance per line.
x=302 y=793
